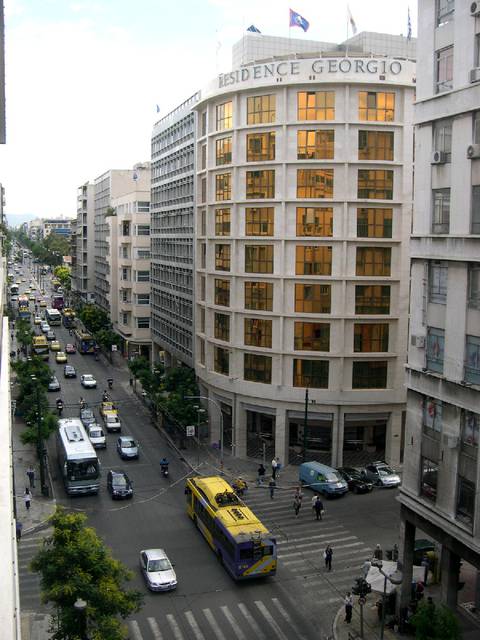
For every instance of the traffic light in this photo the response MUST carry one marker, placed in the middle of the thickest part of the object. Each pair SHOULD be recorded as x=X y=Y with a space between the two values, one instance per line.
x=361 y=587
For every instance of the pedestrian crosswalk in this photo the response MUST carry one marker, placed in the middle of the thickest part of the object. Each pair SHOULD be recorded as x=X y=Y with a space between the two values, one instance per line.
x=29 y=582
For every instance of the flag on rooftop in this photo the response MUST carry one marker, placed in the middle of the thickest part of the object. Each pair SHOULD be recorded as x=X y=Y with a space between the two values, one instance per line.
x=409 y=26
x=253 y=29
x=351 y=20
x=296 y=20
x=158 y=108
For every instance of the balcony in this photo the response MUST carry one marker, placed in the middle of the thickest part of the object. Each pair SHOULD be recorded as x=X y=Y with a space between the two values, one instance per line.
x=463 y=248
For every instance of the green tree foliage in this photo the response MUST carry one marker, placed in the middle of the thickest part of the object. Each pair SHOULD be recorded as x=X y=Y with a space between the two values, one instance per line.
x=24 y=333
x=63 y=274
x=435 y=622
x=75 y=563
x=49 y=251
x=106 y=337
x=94 y=318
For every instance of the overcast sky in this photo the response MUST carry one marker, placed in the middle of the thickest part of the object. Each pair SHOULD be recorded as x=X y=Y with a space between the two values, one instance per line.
x=83 y=77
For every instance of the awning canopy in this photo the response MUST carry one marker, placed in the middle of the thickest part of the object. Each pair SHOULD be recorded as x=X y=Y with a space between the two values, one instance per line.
x=377 y=580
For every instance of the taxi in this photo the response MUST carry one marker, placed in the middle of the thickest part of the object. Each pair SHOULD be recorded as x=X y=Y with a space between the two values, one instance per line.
x=106 y=406
x=43 y=303
x=61 y=357
x=55 y=345
x=32 y=297
x=37 y=320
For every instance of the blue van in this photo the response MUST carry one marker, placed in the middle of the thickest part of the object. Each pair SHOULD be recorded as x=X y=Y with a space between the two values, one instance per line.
x=323 y=479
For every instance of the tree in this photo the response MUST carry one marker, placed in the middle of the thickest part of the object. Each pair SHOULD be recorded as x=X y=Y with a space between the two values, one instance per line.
x=75 y=563
x=93 y=318
x=24 y=333
x=106 y=337
x=435 y=622
x=63 y=274
x=179 y=383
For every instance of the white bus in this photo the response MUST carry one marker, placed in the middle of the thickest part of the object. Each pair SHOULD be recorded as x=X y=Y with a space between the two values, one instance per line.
x=53 y=317
x=77 y=458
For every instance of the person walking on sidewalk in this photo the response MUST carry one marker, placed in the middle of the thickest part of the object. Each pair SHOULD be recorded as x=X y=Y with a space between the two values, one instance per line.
x=260 y=474
x=366 y=568
x=272 y=485
x=27 y=496
x=274 y=468
x=348 y=607
x=31 y=476
x=18 y=530
x=318 y=507
x=328 y=555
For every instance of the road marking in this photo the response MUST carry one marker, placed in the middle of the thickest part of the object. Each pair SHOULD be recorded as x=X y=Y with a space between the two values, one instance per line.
x=288 y=552
x=286 y=616
x=157 y=634
x=268 y=617
x=348 y=556
x=135 y=629
x=236 y=629
x=193 y=623
x=325 y=531
x=251 y=621
x=213 y=623
x=174 y=626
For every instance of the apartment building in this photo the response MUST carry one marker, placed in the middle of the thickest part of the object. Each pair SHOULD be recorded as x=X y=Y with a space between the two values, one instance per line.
x=83 y=262
x=440 y=490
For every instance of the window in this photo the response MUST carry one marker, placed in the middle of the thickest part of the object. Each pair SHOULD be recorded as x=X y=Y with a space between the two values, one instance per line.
x=259 y=259
x=259 y=296
x=375 y=184
x=222 y=327
x=203 y=255
x=221 y=363
x=475 y=226
x=372 y=299
x=260 y=184
x=143 y=298
x=311 y=336
x=143 y=254
x=257 y=368
x=223 y=150
x=222 y=222
x=125 y=318
x=204 y=189
x=260 y=109
x=435 y=349
x=374 y=223
x=202 y=288
x=375 y=145
x=316 y=105
x=470 y=428
x=223 y=186
x=143 y=207
x=202 y=319
x=313 y=298
x=143 y=229
x=465 y=500
x=314 y=183
x=310 y=373
x=428 y=486
x=474 y=286
x=444 y=70
x=445 y=11
x=437 y=282
x=472 y=364
x=143 y=323
x=222 y=257
x=432 y=415
x=313 y=260
x=315 y=221
x=224 y=116
x=258 y=332
x=376 y=106
x=204 y=156
x=126 y=274
x=222 y=293
x=369 y=374
x=143 y=276
x=204 y=123
x=441 y=210
x=260 y=146
x=259 y=221
x=442 y=138
x=202 y=351
x=370 y=338
x=315 y=144
x=373 y=261
x=476 y=127
x=125 y=228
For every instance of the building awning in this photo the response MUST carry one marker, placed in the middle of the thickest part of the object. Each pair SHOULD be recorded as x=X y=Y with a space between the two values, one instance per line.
x=365 y=417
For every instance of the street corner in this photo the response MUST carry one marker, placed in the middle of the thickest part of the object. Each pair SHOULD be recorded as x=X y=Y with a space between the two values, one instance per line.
x=38 y=515
x=343 y=630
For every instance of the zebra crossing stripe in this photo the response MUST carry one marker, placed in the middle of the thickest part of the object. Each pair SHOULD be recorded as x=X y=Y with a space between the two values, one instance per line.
x=213 y=623
x=310 y=552
x=286 y=616
x=135 y=629
x=286 y=552
x=174 y=626
x=236 y=629
x=157 y=634
x=194 y=625
x=252 y=622
x=269 y=618
x=322 y=535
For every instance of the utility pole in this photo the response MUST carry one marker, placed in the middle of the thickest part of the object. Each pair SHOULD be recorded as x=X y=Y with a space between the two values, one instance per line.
x=40 y=447
x=305 y=427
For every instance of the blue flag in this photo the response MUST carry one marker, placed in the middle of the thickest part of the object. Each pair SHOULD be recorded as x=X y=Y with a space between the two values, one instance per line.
x=296 y=20
x=253 y=29
x=409 y=26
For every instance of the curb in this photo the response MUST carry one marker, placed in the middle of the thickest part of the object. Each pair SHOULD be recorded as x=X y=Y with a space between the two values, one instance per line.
x=335 y=623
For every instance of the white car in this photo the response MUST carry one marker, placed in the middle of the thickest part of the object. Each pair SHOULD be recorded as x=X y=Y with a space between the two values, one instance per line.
x=157 y=570
x=111 y=421
x=88 y=381
x=97 y=437
x=45 y=327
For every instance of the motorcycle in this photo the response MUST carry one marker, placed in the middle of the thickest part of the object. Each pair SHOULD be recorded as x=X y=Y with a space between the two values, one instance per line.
x=59 y=408
x=110 y=383
x=164 y=471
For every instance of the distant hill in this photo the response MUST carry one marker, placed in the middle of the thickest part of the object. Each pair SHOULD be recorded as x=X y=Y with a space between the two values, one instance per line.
x=15 y=219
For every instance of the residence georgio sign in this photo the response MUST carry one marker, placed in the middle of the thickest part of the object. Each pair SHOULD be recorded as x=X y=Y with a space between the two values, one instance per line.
x=317 y=67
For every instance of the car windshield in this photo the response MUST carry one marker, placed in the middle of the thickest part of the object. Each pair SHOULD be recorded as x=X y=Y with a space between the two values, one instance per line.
x=386 y=471
x=334 y=477
x=128 y=444
x=119 y=481
x=161 y=564
x=96 y=433
x=87 y=413
x=112 y=419
x=82 y=469
x=88 y=377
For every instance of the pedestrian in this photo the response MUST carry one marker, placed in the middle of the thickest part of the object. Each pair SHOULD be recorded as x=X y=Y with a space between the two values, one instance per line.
x=419 y=589
x=279 y=467
x=298 y=492
x=366 y=568
x=131 y=382
x=395 y=552
x=272 y=485
x=260 y=474
x=31 y=476
x=18 y=529
x=426 y=567
x=348 y=607
x=27 y=496
x=328 y=555
x=378 y=553
x=318 y=507
x=297 y=504
x=274 y=468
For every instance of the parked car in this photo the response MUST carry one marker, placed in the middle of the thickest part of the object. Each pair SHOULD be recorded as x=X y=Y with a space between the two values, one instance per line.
x=87 y=416
x=97 y=436
x=88 y=381
x=119 y=484
x=322 y=478
x=70 y=348
x=111 y=421
x=54 y=384
x=127 y=448
x=157 y=570
x=355 y=480
x=51 y=334
x=61 y=357
x=381 y=474
x=69 y=371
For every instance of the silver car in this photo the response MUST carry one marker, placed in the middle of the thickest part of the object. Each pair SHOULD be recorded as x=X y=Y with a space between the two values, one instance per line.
x=97 y=437
x=382 y=475
x=127 y=447
x=157 y=570
x=88 y=381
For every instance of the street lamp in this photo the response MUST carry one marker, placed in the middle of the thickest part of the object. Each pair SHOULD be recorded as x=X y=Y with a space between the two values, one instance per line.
x=199 y=410
x=395 y=578
x=80 y=607
x=221 y=423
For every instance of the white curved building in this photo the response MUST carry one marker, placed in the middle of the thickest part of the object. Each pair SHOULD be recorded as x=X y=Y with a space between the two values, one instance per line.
x=304 y=194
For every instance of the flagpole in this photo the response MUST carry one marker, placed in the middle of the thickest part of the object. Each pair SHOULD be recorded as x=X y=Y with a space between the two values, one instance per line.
x=346 y=41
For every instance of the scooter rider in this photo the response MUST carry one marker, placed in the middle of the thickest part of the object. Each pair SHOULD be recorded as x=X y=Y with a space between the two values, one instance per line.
x=105 y=396
x=59 y=403
x=164 y=466
x=110 y=382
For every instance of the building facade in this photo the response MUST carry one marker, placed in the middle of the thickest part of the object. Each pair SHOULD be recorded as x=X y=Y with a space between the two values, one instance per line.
x=83 y=278
x=172 y=229
x=303 y=207
x=439 y=494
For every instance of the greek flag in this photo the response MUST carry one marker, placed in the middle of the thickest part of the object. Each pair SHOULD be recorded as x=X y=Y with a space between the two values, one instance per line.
x=296 y=20
x=253 y=29
x=351 y=20
x=409 y=26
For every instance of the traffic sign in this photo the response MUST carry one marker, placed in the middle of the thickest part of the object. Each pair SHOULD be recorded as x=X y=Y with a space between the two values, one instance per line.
x=190 y=429
x=362 y=601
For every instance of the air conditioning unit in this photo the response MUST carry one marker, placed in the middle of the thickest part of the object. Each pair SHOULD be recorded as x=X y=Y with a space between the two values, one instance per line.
x=474 y=75
x=439 y=157
x=475 y=9
x=418 y=341
x=473 y=151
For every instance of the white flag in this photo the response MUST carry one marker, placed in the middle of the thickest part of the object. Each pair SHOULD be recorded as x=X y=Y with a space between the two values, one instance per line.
x=351 y=20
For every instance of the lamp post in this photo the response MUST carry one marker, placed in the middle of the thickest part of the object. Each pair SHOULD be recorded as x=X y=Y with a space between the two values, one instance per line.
x=221 y=423
x=199 y=411
x=80 y=607
x=395 y=578
x=40 y=449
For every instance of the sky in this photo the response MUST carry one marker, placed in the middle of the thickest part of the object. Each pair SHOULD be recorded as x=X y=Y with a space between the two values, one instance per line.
x=84 y=77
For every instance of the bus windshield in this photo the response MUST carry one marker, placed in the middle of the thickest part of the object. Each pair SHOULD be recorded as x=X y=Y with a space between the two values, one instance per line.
x=82 y=469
